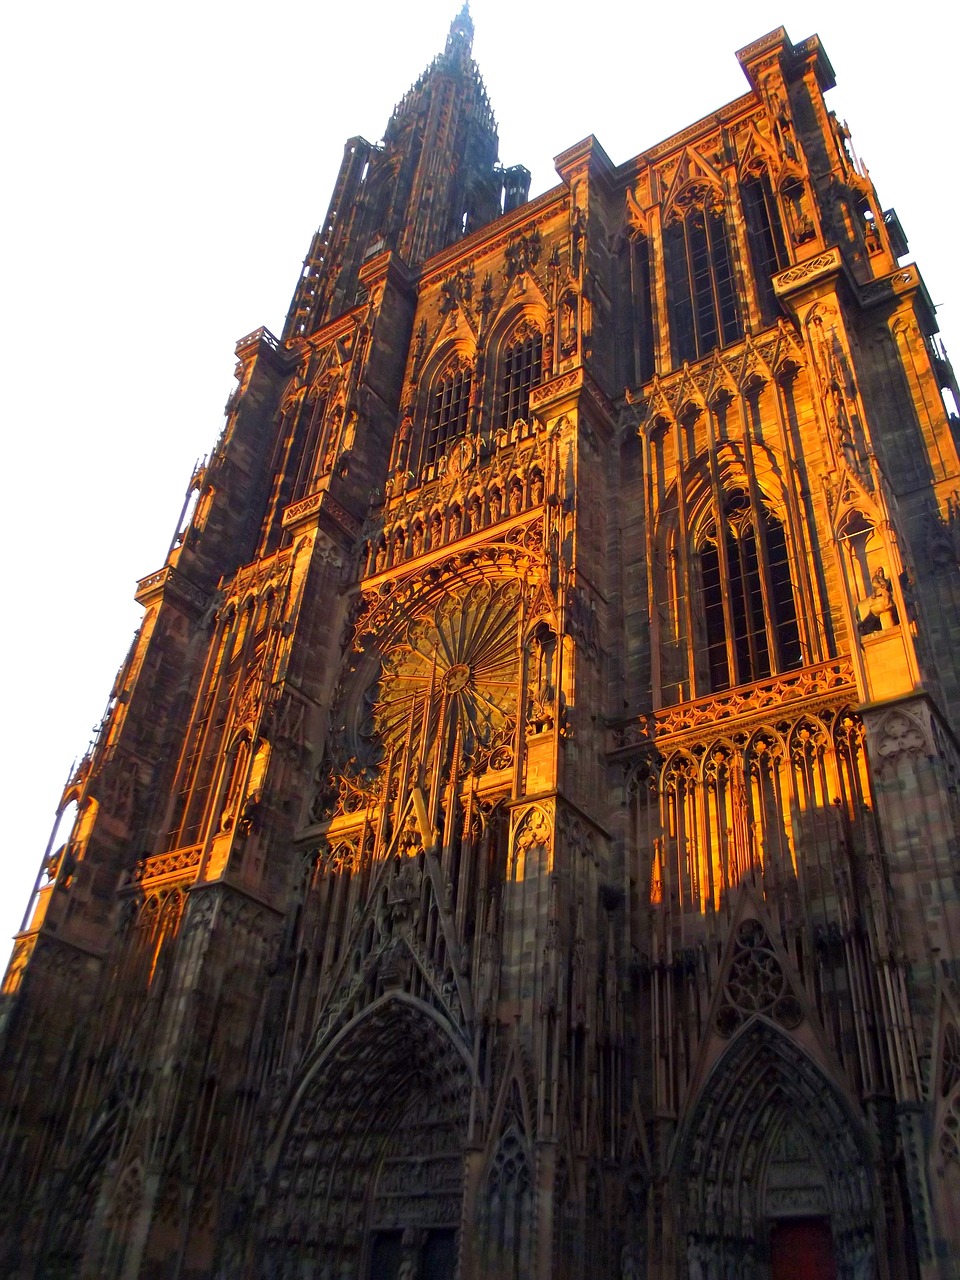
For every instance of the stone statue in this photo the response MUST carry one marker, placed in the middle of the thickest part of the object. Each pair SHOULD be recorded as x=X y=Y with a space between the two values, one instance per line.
x=629 y=1263
x=877 y=612
x=694 y=1259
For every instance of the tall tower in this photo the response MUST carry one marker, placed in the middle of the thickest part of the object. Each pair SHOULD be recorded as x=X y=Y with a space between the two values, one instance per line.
x=523 y=839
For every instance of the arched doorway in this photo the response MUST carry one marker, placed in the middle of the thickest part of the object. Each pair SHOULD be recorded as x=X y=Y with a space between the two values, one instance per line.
x=368 y=1178
x=773 y=1169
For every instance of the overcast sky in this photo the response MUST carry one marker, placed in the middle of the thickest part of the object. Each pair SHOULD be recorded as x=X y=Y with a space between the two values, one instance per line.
x=165 y=167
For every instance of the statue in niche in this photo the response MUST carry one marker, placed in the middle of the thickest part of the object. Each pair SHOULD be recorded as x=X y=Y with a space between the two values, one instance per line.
x=399 y=912
x=630 y=1263
x=416 y=541
x=330 y=452
x=801 y=224
x=332 y=441
x=248 y=813
x=782 y=125
x=542 y=696
x=862 y=1262
x=237 y=778
x=516 y=498
x=877 y=612
x=568 y=325
x=840 y=422
x=408 y=1255
x=496 y=506
x=694 y=1259
x=404 y=436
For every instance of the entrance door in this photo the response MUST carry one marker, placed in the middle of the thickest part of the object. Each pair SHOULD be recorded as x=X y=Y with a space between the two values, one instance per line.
x=437 y=1258
x=802 y=1249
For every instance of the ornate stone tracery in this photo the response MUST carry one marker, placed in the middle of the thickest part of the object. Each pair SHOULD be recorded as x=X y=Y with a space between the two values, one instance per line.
x=755 y=983
x=794 y=1148
x=532 y=799
x=456 y=665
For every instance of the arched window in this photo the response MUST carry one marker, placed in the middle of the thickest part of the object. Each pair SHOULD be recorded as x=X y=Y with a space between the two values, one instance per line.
x=768 y=250
x=749 y=615
x=448 y=409
x=521 y=365
x=701 y=292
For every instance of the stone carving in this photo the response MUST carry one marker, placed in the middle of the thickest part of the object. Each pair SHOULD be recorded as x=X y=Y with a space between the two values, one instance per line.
x=812 y=683
x=755 y=983
x=900 y=735
x=533 y=831
x=822 y=264
x=459 y=660
x=877 y=612
x=522 y=254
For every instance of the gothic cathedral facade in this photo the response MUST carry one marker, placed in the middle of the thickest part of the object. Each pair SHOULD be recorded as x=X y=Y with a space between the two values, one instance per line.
x=523 y=841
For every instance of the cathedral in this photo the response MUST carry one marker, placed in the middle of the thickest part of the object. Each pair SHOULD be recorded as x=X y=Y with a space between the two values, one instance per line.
x=524 y=839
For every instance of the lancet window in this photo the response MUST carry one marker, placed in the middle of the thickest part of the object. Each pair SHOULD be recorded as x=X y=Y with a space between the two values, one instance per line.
x=449 y=407
x=641 y=289
x=520 y=371
x=768 y=250
x=749 y=615
x=701 y=291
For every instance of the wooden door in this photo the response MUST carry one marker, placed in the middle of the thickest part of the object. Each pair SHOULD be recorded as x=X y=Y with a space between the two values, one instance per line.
x=802 y=1249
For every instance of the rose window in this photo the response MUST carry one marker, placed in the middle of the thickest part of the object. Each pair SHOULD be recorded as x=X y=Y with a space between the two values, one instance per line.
x=454 y=672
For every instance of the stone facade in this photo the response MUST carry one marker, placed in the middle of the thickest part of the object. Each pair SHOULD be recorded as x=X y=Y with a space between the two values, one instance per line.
x=523 y=839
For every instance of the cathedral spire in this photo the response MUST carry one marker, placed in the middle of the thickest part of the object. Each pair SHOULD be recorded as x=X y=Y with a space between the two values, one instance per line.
x=435 y=176
x=461 y=32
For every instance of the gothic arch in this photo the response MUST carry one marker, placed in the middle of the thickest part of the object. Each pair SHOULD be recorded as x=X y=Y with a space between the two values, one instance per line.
x=698 y=191
x=748 y=629
x=370 y=1144
x=67 y=1218
x=771 y=1138
x=516 y=353
x=444 y=400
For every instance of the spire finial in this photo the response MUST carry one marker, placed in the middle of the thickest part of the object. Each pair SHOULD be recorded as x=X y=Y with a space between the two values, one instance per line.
x=461 y=31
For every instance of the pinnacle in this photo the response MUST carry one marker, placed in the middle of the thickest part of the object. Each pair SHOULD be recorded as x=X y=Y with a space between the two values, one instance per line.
x=461 y=31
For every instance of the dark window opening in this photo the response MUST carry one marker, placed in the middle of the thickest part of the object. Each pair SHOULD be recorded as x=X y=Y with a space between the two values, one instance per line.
x=701 y=292
x=448 y=418
x=642 y=287
x=521 y=372
x=736 y=629
x=714 y=624
x=768 y=250
x=781 y=591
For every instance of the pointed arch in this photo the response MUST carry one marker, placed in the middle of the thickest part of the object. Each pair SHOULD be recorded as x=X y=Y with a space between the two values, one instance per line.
x=765 y=238
x=515 y=357
x=770 y=1137
x=445 y=402
x=507 y=1209
x=742 y=604
x=702 y=296
x=380 y=1109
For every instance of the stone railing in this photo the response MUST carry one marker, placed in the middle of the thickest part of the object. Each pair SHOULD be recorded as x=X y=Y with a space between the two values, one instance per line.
x=162 y=866
x=806 y=684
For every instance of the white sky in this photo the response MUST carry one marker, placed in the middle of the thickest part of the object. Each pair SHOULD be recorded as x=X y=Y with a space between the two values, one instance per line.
x=165 y=167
